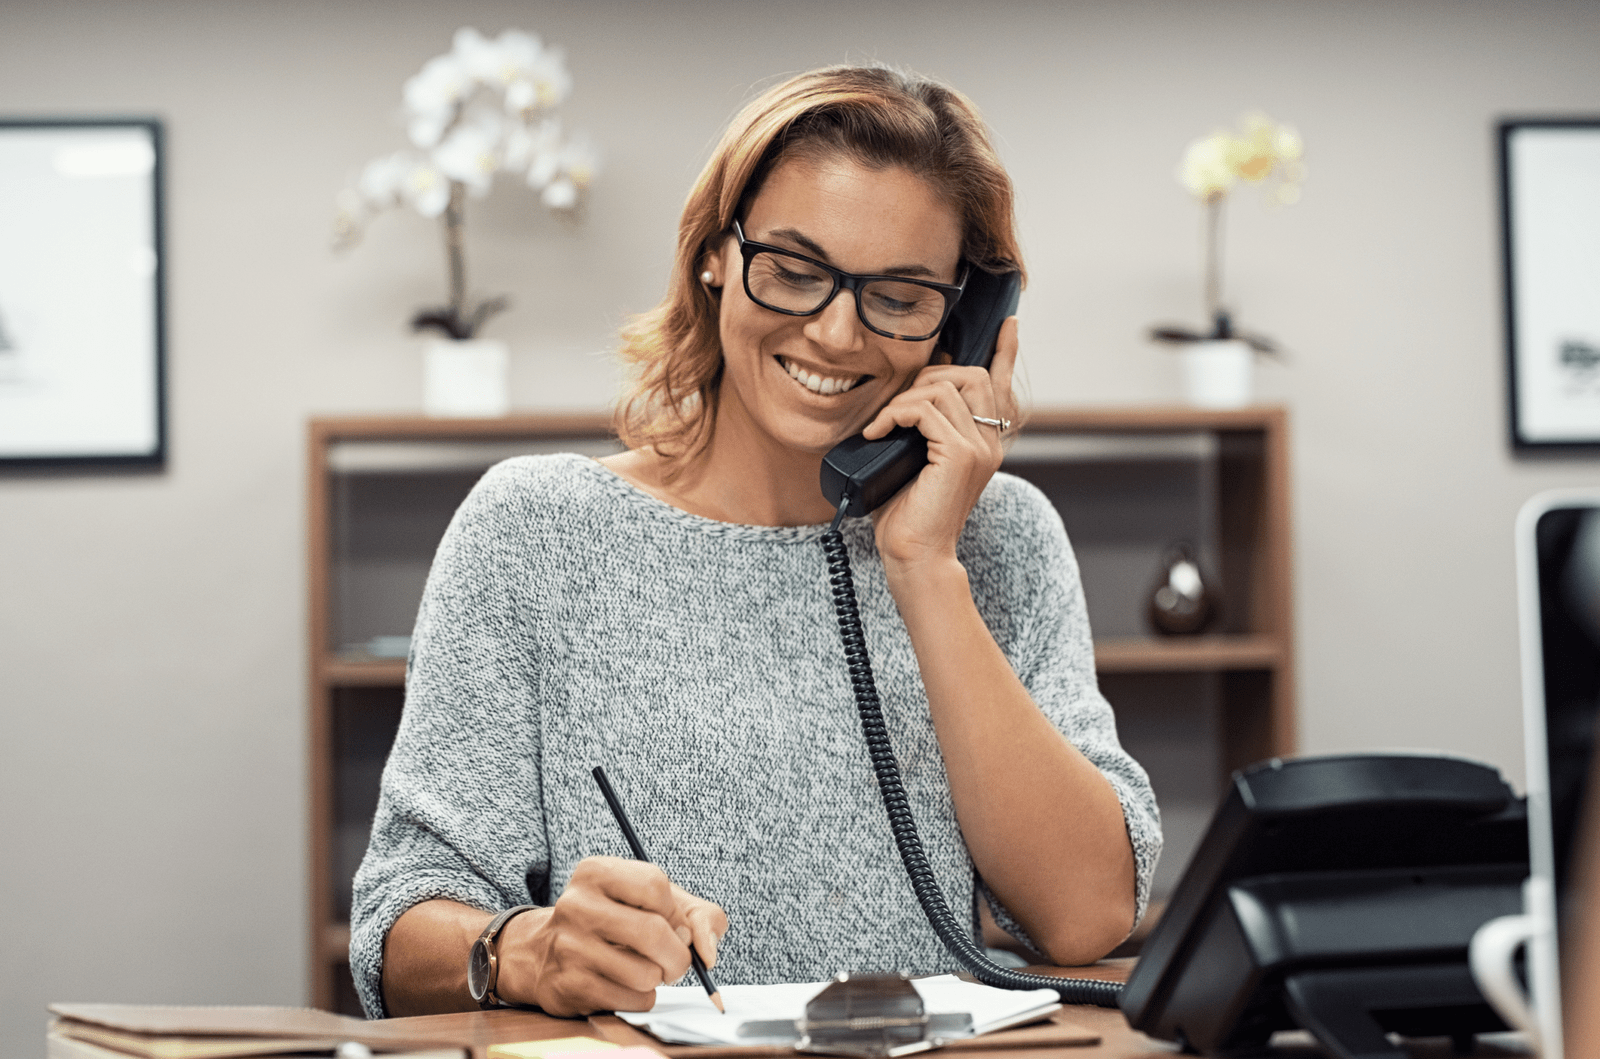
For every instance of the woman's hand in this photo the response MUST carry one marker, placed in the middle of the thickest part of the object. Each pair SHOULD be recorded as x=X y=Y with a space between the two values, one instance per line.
x=923 y=521
x=618 y=930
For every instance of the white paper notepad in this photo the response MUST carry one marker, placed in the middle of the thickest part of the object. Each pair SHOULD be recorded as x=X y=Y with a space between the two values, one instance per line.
x=684 y=1015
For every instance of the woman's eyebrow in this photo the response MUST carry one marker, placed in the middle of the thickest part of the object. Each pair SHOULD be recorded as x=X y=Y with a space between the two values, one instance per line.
x=811 y=247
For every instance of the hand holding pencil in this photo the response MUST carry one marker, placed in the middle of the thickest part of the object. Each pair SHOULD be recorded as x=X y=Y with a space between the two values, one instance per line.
x=637 y=847
x=618 y=929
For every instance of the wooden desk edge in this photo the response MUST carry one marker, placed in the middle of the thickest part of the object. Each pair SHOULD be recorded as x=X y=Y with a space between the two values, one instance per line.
x=481 y=1029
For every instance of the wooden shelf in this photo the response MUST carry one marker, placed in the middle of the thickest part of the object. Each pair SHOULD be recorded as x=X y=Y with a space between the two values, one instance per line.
x=1119 y=655
x=1191 y=654
x=364 y=673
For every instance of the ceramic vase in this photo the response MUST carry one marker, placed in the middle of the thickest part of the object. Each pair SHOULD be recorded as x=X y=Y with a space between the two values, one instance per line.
x=1181 y=602
x=466 y=378
x=1218 y=373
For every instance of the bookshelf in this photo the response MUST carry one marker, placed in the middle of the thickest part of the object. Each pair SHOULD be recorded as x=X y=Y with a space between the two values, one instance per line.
x=1127 y=482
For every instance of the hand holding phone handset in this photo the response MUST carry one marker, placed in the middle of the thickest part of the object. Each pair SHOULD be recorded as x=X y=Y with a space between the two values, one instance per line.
x=857 y=477
x=870 y=472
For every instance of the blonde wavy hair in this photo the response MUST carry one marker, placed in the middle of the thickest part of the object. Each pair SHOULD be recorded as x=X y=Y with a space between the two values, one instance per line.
x=876 y=116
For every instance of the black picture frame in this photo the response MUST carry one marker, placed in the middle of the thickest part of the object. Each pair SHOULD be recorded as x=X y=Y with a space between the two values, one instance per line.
x=83 y=358
x=1550 y=250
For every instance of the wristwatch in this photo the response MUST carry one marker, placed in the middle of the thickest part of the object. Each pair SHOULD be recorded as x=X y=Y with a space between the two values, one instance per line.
x=483 y=964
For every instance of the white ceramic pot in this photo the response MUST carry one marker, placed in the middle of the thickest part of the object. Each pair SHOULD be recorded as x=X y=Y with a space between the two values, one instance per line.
x=1218 y=373
x=465 y=378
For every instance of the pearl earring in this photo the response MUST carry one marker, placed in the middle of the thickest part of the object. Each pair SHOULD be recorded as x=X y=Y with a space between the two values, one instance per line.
x=707 y=277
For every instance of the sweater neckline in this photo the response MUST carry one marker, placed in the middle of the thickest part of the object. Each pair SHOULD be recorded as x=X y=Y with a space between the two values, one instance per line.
x=660 y=509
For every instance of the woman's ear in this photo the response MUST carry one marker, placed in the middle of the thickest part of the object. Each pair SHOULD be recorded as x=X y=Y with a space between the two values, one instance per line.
x=711 y=269
x=714 y=260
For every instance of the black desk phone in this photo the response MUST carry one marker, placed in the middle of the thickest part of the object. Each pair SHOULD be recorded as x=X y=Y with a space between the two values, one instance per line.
x=1337 y=895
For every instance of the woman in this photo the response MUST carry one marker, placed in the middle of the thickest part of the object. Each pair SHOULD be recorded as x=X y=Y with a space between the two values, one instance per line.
x=665 y=613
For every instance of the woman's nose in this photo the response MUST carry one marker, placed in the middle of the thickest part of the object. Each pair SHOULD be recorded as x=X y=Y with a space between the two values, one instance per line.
x=836 y=327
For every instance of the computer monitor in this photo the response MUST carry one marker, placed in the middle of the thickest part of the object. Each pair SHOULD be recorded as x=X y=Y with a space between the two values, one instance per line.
x=1558 y=584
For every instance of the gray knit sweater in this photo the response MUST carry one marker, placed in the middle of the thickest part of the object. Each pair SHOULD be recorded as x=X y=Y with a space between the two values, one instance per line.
x=572 y=620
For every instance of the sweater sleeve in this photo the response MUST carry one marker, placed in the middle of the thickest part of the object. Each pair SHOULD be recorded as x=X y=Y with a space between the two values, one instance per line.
x=459 y=812
x=1026 y=575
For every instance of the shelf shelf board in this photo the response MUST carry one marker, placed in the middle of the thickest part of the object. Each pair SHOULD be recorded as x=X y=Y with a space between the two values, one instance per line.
x=345 y=672
x=1187 y=654
x=1117 y=655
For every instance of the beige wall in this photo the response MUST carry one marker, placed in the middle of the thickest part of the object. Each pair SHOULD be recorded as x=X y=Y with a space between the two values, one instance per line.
x=151 y=647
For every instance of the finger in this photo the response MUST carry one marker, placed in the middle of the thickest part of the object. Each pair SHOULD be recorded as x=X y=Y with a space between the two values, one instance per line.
x=625 y=968
x=940 y=417
x=586 y=910
x=976 y=386
x=1003 y=370
x=707 y=924
x=936 y=390
x=998 y=402
x=955 y=402
x=645 y=933
x=629 y=882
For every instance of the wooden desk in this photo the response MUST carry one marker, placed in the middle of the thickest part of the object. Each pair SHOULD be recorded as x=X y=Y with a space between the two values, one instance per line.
x=484 y=1028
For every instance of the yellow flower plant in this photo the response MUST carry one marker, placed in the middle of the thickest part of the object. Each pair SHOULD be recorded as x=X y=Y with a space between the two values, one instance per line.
x=1262 y=152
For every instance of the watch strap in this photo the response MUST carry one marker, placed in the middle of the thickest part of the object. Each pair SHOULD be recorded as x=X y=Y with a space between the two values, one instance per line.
x=489 y=939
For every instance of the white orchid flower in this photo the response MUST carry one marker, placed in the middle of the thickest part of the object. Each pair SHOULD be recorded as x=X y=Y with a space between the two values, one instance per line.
x=550 y=79
x=545 y=153
x=427 y=189
x=560 y=195
x=381 y=181
x=477 y=55
x=478 y=109
x=1288 y=144
x=521 y=97
x=431 y=98
x=469 y=155
x=1253 y=155
x=1205 y=170
x=426 y=130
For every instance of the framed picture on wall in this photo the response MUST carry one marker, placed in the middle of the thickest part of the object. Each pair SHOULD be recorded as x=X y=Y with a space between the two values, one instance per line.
x=1550 y=229
x=82 y=347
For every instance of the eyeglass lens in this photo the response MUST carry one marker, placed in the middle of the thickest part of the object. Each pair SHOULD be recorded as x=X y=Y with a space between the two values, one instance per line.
x=794 y=285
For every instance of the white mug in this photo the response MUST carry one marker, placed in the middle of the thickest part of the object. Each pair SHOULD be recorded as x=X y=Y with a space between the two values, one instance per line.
x=1492 y=957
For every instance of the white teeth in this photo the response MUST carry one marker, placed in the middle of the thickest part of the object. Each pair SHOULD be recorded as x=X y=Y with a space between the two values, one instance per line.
x=816 y=383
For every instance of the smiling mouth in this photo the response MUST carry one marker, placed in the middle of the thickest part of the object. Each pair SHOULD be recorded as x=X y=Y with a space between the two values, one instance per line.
x=821 y=384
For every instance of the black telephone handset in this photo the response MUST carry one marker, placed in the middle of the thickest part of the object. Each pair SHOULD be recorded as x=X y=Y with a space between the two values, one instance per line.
x=870 y=472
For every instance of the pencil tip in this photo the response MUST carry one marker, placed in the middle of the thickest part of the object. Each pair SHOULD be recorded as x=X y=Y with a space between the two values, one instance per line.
x=716 y=998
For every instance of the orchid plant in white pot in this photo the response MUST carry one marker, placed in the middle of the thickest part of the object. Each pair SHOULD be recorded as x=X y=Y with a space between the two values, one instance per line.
x=1218 y=360
x=484 y=107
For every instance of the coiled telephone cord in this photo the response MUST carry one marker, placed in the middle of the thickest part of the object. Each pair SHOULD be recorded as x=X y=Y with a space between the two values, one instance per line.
x=956 y=938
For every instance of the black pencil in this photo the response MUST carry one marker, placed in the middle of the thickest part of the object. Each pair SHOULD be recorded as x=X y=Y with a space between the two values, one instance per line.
x=639 y=854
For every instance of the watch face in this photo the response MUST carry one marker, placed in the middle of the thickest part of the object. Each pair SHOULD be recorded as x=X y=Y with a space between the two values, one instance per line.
x=478 y=971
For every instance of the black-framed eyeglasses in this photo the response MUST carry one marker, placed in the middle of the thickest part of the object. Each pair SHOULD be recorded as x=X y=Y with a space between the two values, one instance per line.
x=912 y=310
